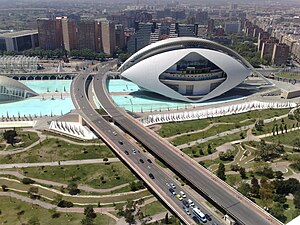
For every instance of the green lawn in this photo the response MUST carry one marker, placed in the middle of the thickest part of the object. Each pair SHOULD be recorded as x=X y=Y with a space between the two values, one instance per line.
x=94 y=175
x=153 y=208
x=26 y=139
x=210 y=132
x=214 y=143
x=106 y=198
x=171 y=129
x=16 y=212
x=285 y=138
x=268 y=127
x=54 y=150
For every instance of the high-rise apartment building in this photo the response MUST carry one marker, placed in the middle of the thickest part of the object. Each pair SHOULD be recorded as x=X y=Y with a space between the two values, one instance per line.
x=120 y=36
x=108 y=37
x=50 y=33
x=70 y=34
x=232 y=27
x=87 y=35
x=280 y=54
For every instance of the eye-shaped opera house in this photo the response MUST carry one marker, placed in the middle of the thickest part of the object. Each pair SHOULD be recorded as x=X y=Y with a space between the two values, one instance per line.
x=187 y=69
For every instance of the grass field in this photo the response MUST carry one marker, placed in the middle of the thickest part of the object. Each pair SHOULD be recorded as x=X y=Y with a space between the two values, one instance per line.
x=16 y=212
x=94 y=175
x=285 y=138
x=268 y=127
x=243 y=119
x=26 y=139
x=214 y=143
x=210 y=132
x=153 y=208
x=54 y=150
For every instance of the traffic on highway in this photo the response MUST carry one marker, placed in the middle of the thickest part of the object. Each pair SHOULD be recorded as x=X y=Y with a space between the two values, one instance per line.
x=130 y=153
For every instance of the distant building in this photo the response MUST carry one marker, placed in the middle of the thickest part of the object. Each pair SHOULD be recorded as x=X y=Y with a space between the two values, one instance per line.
x=280 y=54
x=232 y=27
x=147 y=33
x=50 y=33
x=66 y=33
x=211 y=26
x=108 y=37
x=69 y=30
x=120 y=36
x=268 y=47
x=262 y=37
x=87 y=35
x=19 y=41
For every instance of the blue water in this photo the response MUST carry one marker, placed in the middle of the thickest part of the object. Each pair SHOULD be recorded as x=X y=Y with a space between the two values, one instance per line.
x=36 y=106
x=43 y=86
x=143 y=103
x=121 y=86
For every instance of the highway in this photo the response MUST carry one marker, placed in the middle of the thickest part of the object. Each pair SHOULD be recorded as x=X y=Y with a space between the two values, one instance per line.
x=129 y=152
x=230 y=200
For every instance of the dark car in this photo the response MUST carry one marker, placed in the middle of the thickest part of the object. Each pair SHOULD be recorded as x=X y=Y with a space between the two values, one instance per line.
x=151 y=176
x=126 y=152
x=208 y=217
x=196 y=219
x=172 y=191
x=149 y=161
x=185 y=203
x=141 y=160
x=120 y=142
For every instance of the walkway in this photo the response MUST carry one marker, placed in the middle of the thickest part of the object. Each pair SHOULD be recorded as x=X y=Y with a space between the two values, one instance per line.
x=58 y=163
x=56 y=184
x=44 y=137
x=233 y=131
x=196 y=131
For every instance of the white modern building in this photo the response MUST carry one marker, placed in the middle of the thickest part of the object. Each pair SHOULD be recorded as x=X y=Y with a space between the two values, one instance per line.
x=186 y=68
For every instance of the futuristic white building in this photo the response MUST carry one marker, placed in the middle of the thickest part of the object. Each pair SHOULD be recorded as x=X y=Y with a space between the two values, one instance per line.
x=12 y=90
x=187 y=69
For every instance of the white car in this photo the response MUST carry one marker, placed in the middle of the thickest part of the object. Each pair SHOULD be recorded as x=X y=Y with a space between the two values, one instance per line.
x=173 y=186
x=192 y=204
x=182 y=194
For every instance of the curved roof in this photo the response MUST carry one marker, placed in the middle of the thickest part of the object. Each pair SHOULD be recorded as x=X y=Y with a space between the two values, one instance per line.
x=9 y=82
x=180 y=43
x=155 y=65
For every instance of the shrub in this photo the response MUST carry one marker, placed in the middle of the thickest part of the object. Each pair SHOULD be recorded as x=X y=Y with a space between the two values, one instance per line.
x=27 y=180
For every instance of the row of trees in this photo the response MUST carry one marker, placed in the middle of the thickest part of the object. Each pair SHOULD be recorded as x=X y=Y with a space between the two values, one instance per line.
x=59 y=54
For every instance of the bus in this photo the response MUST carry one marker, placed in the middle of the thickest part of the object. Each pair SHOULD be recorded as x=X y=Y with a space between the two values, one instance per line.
x=200 y=215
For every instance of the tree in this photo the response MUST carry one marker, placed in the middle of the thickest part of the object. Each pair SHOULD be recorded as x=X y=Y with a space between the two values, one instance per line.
x=89 y=212
x=10 y=136
x=277 y=210
x=27 y=180
x=167 y=218
x=255 y=187
x=221 y=171
x=33 y=192
x=243 y=173
x=226 y=156
x=87 y=221
x=266 y=192
x=65 y=204
x=73 y=189
x=279 y=174
x=297 y=200
x=4 y=187
x=209 y=149
x=245 y=189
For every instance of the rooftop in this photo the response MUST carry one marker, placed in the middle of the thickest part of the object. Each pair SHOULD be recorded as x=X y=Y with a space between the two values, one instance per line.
x=18 y=33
